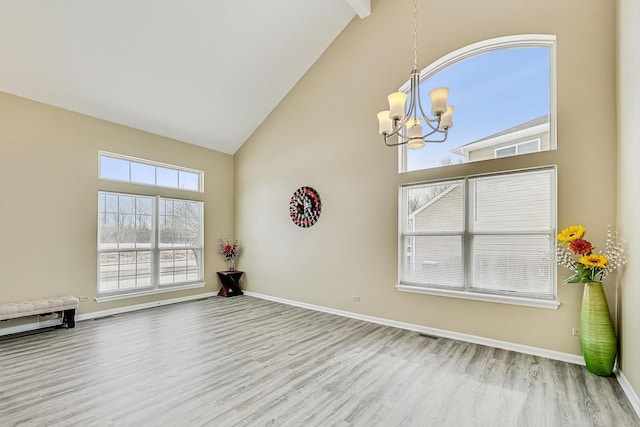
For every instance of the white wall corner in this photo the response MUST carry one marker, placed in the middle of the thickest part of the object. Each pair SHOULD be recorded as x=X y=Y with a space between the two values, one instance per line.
x=361 y=7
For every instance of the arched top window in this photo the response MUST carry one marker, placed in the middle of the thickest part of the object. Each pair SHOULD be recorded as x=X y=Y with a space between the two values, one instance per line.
x=503 y=90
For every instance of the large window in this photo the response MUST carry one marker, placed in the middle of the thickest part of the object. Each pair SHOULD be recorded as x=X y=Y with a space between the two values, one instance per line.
x=116 y=167
x=148 y=243
x=503 y=91
x=488 y=237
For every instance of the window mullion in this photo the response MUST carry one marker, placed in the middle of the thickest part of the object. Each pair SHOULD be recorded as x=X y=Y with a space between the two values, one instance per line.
x=119 y=269
x=466 y=236
x=201 y=241
x=444 y=233
x=155 y=252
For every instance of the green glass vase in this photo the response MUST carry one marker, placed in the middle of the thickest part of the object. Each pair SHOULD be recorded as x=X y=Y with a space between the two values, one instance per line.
x=597 y=336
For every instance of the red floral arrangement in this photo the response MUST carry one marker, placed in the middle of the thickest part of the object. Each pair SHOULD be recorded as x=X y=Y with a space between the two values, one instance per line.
x=229 y=250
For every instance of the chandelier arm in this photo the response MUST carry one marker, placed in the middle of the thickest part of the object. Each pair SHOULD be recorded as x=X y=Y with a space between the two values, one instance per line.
x=435 y=128
x=414 y=92
x=400 y=123
x=406 y=141
x=428 y=119
x=446 y=134
x=426 y=116
x=402 y=135
x=412 y=108
x=431 y=133
x=392 y=144
x=397 y=131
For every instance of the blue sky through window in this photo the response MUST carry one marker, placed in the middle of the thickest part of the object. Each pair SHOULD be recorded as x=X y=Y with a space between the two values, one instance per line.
x=124 y=169
x=491 y=92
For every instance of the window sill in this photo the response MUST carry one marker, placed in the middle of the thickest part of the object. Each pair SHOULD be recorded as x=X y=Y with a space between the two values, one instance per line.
x=502 y=299
x=134 y=294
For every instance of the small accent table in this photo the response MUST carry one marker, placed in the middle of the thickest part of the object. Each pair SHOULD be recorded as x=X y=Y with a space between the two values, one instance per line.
x=230 y=283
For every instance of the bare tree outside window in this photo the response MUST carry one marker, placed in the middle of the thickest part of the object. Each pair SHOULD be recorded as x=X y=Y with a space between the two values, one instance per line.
x=130 y=254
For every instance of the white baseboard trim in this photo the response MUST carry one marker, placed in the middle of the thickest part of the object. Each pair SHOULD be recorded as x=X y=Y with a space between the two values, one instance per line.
x=629 y=391
x=30 y=326
x=136 y=307
x=505 y=345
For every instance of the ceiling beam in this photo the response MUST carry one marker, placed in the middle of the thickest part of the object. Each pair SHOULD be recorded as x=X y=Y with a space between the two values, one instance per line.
x=362 y=7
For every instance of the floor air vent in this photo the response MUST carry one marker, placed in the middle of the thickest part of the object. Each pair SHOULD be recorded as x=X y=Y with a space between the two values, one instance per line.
x=431 y=337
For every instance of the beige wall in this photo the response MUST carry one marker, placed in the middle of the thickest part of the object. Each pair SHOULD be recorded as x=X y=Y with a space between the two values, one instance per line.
x=629 y=184
x=324 y=134
x=49 y=176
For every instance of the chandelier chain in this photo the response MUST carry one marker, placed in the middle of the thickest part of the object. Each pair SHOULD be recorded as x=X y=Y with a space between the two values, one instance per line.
x=415 y=34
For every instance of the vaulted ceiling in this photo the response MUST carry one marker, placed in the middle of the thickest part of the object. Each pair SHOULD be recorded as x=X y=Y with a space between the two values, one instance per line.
x=206 y=72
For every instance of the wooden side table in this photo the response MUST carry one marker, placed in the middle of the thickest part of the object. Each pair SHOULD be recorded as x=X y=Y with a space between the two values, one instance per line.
x=230 y=283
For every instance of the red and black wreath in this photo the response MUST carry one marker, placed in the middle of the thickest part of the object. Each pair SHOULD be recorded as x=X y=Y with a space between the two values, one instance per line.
x=304 y=207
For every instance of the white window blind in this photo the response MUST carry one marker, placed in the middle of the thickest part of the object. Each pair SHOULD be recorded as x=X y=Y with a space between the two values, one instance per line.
x=434 y=229
x=492 y=234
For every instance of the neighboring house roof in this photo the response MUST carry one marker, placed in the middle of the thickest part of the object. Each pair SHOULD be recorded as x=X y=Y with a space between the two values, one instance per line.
x=435 y=199
x=523 y=130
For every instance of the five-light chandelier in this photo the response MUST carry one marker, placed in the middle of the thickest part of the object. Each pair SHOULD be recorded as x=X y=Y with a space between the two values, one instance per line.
x=403 y=122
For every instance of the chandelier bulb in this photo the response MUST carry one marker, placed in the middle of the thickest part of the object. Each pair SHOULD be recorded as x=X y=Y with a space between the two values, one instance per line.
x=397 y=101
x=446 y=120
x=384 y=120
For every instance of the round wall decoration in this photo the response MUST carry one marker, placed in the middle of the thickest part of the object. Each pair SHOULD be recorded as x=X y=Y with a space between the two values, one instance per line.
x=304 y=207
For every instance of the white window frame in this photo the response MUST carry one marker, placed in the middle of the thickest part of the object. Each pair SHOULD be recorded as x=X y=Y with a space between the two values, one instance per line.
x=467 y=235
x=498 y=43
x=155 y=249
x=518 y=145
x=152 y=163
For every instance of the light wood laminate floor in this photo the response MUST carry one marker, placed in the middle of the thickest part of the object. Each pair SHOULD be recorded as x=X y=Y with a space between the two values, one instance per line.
x=243 y=361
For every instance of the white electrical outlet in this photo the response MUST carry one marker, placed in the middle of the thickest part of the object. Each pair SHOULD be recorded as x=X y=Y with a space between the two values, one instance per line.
x=575 y=332
x=83 y=299
x=355 y=298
